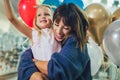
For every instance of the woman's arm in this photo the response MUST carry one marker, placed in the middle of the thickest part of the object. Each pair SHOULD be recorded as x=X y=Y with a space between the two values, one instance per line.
x=27 y=69
x=41 y=65
x=26 y=66
x=22 y=27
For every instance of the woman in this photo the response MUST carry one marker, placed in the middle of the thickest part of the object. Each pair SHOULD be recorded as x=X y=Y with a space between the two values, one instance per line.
x=72 y=62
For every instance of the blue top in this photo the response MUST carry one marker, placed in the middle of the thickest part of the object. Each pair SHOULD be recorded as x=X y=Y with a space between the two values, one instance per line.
x=26 y=66
x=70 y=64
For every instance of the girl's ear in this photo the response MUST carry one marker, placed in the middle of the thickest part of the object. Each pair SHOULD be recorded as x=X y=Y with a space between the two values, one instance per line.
x=35 y=24
x=87 y=36
x=34 y=21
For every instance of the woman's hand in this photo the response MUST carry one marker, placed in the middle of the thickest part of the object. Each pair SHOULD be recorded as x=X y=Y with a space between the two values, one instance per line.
x=41 y=65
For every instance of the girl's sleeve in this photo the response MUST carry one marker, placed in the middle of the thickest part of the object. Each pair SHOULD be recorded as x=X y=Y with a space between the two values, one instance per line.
x=34 y=35
x=26 y=66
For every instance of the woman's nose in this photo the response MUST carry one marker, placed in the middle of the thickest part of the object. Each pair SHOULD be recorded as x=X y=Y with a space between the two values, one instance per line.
x=59 y=31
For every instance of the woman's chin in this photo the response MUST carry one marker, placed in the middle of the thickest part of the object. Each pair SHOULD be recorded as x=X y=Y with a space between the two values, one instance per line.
x=58 y=39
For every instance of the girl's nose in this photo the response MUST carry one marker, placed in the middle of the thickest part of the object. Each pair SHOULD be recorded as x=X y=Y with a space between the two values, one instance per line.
x=43 y=16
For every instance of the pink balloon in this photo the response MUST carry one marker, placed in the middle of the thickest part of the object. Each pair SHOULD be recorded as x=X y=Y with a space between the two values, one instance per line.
x=27 y=11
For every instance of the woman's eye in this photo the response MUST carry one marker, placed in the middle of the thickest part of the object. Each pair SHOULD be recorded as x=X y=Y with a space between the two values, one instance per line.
x=56 y=24
x=66 y=28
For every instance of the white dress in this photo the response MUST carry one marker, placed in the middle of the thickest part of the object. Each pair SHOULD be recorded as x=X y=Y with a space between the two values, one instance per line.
x=44 y=45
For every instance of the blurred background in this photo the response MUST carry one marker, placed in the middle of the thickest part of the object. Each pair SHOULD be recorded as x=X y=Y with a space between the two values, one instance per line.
x=104 y=67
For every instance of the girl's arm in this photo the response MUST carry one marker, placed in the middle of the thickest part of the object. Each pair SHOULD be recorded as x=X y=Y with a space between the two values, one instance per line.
x=22 y=27
x=41 y=65
x=38 y=76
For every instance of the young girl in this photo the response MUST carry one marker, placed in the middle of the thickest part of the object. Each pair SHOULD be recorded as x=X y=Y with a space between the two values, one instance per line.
x=42 y=35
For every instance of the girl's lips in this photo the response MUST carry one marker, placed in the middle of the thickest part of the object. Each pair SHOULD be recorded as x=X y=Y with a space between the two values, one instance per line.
x=43 y=21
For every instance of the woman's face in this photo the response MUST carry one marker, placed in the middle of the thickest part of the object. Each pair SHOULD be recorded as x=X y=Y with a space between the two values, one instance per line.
x=44 y=17
x=61 y=31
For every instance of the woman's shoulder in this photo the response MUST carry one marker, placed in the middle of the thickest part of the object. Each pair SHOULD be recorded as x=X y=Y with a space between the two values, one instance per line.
x=70 y=46
x=70 y=40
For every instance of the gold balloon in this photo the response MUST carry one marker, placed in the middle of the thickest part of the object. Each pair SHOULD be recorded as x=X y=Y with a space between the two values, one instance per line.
x=116 y=14
x=98 y=18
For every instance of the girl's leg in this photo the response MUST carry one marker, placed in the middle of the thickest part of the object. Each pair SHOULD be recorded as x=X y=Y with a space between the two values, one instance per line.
x=38 y=76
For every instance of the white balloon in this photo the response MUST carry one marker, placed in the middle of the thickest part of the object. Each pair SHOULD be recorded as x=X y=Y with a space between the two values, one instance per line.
x=96 y=56
x=111 y=42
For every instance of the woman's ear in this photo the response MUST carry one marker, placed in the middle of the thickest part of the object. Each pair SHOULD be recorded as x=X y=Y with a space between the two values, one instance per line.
x=87 y=36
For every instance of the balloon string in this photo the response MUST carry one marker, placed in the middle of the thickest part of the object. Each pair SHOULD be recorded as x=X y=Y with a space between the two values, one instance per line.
x=105 y=64
x=117 y=72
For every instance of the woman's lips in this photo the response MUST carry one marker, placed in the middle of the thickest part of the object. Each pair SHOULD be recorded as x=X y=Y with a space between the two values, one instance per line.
x=59 y=36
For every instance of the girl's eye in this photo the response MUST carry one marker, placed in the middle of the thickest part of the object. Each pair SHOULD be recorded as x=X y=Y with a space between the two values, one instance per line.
x=47 y=14
x=39 y=14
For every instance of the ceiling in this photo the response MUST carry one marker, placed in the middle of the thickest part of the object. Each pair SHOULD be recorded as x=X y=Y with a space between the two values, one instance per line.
x=4 y=23
x=2 y=11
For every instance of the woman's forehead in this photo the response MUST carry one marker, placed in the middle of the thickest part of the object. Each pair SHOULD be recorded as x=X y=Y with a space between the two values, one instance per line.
x=58 y=20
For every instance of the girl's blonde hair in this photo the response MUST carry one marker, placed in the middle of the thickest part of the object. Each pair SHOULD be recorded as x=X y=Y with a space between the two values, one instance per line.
x=35 y=19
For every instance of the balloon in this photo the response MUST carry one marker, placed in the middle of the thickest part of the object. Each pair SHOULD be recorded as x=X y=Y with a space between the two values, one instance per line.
x=59 y=2
x=98 y=18
x=27 y=11
x=116 y=14
x=78 y=2
x=111 y=42
x=52 y=2
x=96 y=56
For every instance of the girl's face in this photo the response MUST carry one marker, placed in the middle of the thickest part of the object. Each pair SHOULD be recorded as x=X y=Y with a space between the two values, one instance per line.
x=44 y=17
x=61 y=31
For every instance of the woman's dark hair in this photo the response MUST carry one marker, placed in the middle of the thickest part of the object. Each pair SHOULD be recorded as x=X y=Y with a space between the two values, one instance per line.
x=74 y=17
